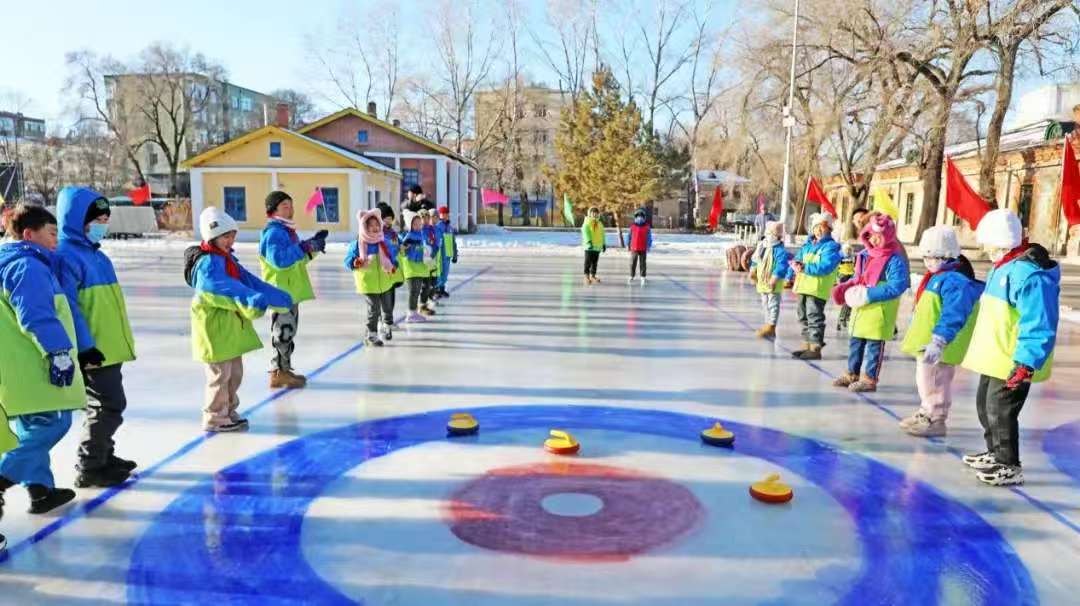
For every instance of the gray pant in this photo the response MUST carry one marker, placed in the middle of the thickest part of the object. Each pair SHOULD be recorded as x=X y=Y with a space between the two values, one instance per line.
x=416 y=286
x=283 y=327
x=999 y=414
x=389 y=299
x=770 y=304
x=104 y=414
x=812 y=317
x=374 y=312
x=635 y=258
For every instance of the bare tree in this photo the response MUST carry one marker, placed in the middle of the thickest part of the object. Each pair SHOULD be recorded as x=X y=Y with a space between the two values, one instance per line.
x=45 y=169
x=302 y=107
x=574 y=24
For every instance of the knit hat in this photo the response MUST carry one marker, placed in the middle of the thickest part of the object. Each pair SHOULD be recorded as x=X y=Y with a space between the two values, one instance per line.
x=408 y=216
x=97 y=208
x=213 y=222
x=640 y=212
x=1000 y=228
x=444 y=210
x=274 y=199
x=883 y=224
x=821 y=218
x=775 y=229
x=940 y=242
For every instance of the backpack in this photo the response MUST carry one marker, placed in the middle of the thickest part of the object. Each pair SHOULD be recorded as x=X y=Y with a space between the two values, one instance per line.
x=191 y=258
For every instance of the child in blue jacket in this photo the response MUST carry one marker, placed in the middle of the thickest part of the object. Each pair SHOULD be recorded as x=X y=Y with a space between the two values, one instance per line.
x=448 y=250
x=815 y=266
x=769 y=269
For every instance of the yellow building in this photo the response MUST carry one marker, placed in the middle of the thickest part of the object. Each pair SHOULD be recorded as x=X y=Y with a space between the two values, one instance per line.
x=238 y=175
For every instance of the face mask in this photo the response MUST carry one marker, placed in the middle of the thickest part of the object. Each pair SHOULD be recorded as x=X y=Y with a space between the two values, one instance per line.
x=640 y=221
x=97 y=232
x=933 y=265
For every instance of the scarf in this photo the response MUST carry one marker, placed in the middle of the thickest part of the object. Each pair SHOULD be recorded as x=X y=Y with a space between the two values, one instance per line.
x=946 y=267
x=231 y=266
x=290 y=226
x=870 y=267
x=1014 y=253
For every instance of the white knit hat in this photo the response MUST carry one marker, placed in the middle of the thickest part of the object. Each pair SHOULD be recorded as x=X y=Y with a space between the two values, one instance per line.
x=775 y=228
x=819 y=218
x=1000 y=228
x=213 y=222
x=941 y=242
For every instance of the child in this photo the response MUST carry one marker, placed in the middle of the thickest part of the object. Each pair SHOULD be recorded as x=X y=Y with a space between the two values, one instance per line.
x=941 y=328
x=101 y=325
x=386 y=329
x=815 y=267
x=844 y=272
x=428 y=295
x=448 y=251
x=372 y=264
x=1013 y=343
x=413 y=254
x=227 y=299
x=881 y=277
x=640 y=244
x=592 y=238
x=769 y=270
x=41 y=383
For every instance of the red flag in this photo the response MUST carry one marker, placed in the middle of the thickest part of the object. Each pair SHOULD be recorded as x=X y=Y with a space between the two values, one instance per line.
x=717 y=208
x=314 y=201
x=140 y=195
x=961 y=199
x=1070 y=186
x=816 y=194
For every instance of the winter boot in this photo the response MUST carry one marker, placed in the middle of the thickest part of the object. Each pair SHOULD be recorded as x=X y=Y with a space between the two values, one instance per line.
x=864 y=385
x=845 y=380
x=799 y=352
x=1002 y=475
x=910 y=420
x=767 y=332
x=444 y=293
x=924 y=427
x=297 y=377
x=980 y=462
x=373 y=340
x=118 y=463
x=431 y=305
x=595 y=280
x=104 y=477
x=814 y=353
x=386 y=332
x=44 y=500
x=426 y=311
x=643 y=280
x=282 y=379
x=588 y=281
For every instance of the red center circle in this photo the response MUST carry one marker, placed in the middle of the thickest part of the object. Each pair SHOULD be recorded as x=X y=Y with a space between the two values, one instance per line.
x=502 y=511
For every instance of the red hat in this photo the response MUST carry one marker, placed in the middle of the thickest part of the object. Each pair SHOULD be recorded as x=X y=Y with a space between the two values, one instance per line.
x=444 y=210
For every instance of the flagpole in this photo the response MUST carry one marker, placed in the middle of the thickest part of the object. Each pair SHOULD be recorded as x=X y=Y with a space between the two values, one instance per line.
x=789 y=123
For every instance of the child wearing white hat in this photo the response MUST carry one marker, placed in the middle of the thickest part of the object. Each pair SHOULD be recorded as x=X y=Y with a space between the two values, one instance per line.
x=941 y=328
x=769 y=269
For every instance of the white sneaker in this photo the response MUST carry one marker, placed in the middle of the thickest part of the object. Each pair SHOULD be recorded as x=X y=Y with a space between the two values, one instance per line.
x=980 y=462
x=1002 y=475
x=643 y=280
x=630 y=281
x=925 y=427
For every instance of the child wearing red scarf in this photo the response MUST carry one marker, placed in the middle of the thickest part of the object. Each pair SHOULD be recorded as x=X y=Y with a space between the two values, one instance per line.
x=941 y=328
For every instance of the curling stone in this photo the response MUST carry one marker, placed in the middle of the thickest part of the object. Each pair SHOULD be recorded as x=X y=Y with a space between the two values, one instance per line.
x=561 y=443
x=771 y=490
x=462 y=424
x=718 y=436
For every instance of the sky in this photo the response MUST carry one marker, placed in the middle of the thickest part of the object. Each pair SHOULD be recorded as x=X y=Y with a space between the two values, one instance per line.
x=260 y=42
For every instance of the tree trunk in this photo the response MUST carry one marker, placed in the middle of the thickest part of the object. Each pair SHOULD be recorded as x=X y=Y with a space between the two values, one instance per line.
x=1003 y=90
x=618 y=228
x=525 y=208
x=501 y=206
x=931 y=176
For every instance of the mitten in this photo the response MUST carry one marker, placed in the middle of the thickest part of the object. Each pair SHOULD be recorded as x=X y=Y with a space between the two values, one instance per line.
x=61 y=369
x=1021 y=374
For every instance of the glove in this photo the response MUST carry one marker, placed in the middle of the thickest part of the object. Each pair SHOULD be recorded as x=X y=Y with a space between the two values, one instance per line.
x=316 y=245
x=322 y=234
x=932 y=353
x=839 y=292
x=454 y=259
x=856 y=297
x=61 y=369
x=306 y=247
x=1021 y=374
x=91 y=358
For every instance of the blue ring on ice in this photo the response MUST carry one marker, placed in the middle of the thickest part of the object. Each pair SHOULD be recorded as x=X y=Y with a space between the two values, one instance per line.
x=1062 y=445
x=236 y=536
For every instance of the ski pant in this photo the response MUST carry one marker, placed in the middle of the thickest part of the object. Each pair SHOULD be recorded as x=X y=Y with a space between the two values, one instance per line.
x=416 y=286
x=375 y=311
x=999 y=414
x=104 y=414
x=28 y=463
x=444 y=275
x=770 y=305
x=592 y=260
x=283 y=328
x=222 y=398
x=811 y=312
x=635 y=258
x=934 y=382
x=870 y=350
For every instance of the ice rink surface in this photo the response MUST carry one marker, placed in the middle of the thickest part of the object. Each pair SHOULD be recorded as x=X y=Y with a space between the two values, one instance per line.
x=350 y=491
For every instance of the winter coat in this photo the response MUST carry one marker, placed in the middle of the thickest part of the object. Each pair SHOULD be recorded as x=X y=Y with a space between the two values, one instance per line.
x=89 y=281
x=432 y=247
x=1018 y=317
x=284 y=263
x=35 y=321
x=391 y=238
x=447 y=242
x=877 y=320
x=947 y=308
x=769 y=262
x=820 y=259
x=412 y=255
x=370 y=279
x=223 y=308
x=640 y=238
x=592 y=235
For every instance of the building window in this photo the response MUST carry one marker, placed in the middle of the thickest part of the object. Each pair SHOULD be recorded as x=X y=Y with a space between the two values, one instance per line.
x=329 y=212
x=909 y=208
x=409 y=177
x=151 y=157
x=362 y=137
x=1024 y=211
x=236 y=102
x=245 y=104
x=275 y=149
x=236 y=203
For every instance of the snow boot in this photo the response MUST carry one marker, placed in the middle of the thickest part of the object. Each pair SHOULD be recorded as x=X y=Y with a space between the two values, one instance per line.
x=118 y=463
x=373 y=341
x=814 y=353
x=799 y=352
x=864 y=385
x=44 y=499
x=588 y=281
x=105 y=477
x=910 y=420
x=1002 y=475
x=283 y=379
x=444 y=293
x=980 y=462
x=595 y=280
x=845 y=380
x=767 y=332
x=300 y=378
x=924 y=427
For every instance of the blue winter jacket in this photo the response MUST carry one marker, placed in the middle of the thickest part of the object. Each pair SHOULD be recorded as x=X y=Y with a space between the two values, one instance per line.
x=959 y=294
x=781 y=261
x=897 y=280
x=89 y=281
x=28 y=281
x=413 y=242
x=829 y=259
x=284 y=262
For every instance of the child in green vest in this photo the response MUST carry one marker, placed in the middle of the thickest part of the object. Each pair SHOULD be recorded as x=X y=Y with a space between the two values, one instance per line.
x=769 y=268
x=414 y=252
x=881 y=277
x=592 y=239
x=815 y=268
x=372 y=264
x=941 y=327
x=40 y=382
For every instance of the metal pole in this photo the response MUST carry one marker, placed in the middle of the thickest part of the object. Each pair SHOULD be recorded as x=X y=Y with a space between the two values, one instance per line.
x=789 y=123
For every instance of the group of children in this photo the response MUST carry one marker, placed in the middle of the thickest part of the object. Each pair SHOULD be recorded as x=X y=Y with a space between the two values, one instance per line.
x=593 y=240
x=1004 y=329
